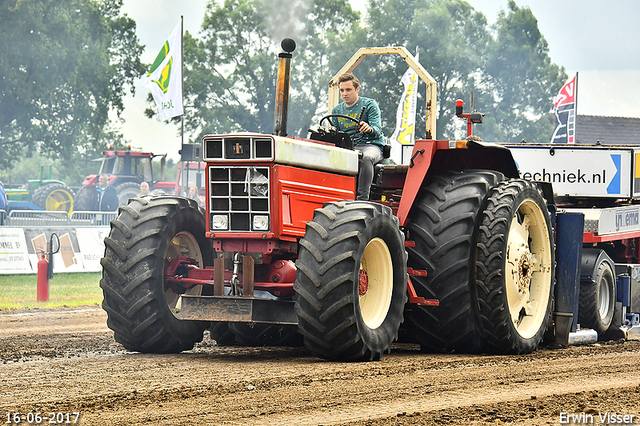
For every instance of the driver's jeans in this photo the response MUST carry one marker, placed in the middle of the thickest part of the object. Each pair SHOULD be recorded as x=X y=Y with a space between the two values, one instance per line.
x=371 y=155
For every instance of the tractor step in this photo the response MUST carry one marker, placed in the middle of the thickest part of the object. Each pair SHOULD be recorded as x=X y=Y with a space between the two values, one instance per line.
x=237 y=309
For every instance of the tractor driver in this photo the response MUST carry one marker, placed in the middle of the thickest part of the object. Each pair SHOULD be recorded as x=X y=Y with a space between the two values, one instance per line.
x=372 y=141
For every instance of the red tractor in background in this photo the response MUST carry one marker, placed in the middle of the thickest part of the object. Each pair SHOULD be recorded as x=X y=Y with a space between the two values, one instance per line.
x=454 y=251
x=127 y=169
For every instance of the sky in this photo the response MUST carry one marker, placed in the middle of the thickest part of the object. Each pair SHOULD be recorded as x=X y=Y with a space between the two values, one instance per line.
x=598 y=40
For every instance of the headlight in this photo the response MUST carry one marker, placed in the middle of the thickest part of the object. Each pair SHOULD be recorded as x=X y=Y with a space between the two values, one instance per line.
x=260 y=223
x=219 y=221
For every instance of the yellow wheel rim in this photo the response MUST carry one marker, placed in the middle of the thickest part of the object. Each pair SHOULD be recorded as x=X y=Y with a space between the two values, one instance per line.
x=59 y=200
x=528 y=269
x=376 y=283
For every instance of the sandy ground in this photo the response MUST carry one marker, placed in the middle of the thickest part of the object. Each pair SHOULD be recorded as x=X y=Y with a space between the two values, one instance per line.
x=66 y=361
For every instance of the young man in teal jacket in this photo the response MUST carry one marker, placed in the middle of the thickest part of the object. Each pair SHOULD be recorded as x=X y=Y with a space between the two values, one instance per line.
x=372 y=141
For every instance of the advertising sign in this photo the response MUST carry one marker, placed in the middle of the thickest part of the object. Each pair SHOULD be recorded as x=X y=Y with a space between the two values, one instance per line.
x=588 y=172
x=13 y=251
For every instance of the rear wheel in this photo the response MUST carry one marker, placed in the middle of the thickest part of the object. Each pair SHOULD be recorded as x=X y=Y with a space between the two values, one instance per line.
x=86 y=198
x=351 y=281
x=54 y=197
x=597 y=299
x=145 y=238
x=443 y=226
x=515 y=267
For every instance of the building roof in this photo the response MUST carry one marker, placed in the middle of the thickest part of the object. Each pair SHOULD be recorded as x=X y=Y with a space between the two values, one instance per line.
x=608 y=130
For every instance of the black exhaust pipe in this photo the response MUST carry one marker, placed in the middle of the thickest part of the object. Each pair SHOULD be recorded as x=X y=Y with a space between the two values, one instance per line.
x=282 y=89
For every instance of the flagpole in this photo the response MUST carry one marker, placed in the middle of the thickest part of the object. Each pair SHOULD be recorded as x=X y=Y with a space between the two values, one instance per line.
x=182 y=74
x=185 y=175
x=575 y=123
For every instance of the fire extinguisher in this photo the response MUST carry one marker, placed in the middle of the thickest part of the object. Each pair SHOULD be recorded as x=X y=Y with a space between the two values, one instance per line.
x=45 y=270
x=43 y=279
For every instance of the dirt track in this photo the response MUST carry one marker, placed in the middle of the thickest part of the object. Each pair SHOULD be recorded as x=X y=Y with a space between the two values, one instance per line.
x=66 y=361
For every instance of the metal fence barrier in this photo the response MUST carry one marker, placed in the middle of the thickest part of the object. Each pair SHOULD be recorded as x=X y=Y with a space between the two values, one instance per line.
x=91 y=218
x=37 y=218
x=52 y=218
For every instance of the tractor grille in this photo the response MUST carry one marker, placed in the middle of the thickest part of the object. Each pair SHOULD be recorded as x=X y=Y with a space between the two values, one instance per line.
x=239 y=199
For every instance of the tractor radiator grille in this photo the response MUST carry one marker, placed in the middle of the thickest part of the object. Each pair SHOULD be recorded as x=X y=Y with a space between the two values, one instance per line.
x=239 y=199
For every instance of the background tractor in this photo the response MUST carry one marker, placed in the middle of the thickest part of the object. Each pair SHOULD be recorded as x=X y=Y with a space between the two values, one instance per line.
x=127 y=169
x=44 y=193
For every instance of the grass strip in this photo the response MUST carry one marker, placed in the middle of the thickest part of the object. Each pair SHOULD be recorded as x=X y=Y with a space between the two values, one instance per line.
x=70 y=289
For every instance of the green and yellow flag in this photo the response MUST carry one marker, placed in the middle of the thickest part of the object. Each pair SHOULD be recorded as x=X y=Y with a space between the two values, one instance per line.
x=164 y=79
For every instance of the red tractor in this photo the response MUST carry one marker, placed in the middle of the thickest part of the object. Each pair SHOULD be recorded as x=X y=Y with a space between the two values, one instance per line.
x=454 y=251
x=127 y=169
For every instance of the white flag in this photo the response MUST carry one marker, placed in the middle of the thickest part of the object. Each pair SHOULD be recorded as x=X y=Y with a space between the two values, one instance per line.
x=406 y=116
x=165 y=77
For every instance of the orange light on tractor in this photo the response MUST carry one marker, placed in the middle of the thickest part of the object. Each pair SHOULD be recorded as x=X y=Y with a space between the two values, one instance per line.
x=459 y=107
x=471 y=117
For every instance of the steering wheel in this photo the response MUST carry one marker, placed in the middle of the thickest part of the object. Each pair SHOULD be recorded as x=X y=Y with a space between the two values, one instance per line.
x=355 y=120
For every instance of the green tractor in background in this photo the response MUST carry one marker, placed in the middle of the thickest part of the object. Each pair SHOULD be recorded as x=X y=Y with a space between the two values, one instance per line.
x=42 y=194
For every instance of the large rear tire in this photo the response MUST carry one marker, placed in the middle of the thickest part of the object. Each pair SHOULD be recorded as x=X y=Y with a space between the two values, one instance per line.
x=351 y=281
x=54 y=197
x=144 y=238
x=443 y=224
x=515 y=267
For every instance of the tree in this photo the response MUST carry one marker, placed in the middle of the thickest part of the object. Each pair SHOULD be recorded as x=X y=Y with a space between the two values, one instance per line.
x=230 y=73
x=507 y=67
x=451 y=38
x=64 y=66
x=521 y=80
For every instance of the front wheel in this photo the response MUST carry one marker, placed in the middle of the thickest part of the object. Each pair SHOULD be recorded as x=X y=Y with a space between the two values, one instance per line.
x=351 y=281
x=515 y=267
x=146 y=237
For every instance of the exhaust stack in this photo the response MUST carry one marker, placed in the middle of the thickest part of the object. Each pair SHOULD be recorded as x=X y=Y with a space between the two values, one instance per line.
x=282 y=89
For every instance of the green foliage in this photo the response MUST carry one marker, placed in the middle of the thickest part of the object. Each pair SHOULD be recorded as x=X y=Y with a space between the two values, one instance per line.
x=230 y=72
x=506 y=66
x=451 y=38
x=170 y=171
x=64 y=66
x=522 y=81
x=29 y=168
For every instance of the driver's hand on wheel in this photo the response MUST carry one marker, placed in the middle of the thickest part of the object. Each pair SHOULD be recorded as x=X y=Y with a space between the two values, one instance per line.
x=364 y=127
